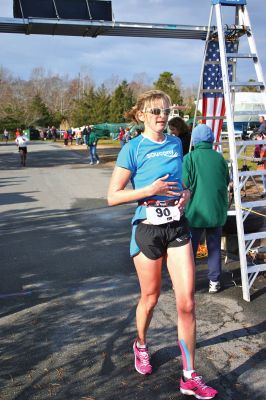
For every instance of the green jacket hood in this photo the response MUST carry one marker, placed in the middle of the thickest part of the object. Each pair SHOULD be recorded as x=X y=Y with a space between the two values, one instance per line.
x=203 y=145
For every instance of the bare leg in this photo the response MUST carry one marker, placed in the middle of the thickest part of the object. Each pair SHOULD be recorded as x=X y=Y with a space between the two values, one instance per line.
x=21 y=157
x=149 y=274
x=181 y=268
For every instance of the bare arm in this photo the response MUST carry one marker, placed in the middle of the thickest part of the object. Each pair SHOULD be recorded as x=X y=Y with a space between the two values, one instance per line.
x=117 y=194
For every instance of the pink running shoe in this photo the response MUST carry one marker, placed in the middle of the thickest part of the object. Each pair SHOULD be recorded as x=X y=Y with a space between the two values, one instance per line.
x=142 y=360
x=196 y=387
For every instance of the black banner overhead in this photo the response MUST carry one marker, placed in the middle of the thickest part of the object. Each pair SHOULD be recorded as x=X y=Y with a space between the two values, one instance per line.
x=63 y=9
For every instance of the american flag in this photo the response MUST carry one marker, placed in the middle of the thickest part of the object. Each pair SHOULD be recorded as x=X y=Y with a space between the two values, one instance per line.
x=213 y=103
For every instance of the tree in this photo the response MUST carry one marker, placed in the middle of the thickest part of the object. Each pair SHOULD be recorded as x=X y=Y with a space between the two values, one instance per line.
x=92 y=108
x=189 y=95
x=82 y=110
x=100 y=106
x=140 y=84
x=11 y=118
x=39 y=114
x=121 y=101
x=167 y=84
x=111 y=83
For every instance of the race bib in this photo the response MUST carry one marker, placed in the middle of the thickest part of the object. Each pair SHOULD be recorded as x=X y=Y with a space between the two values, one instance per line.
x=162 y=215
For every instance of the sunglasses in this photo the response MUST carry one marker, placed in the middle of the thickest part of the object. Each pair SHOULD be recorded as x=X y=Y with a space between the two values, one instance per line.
x=158 y=111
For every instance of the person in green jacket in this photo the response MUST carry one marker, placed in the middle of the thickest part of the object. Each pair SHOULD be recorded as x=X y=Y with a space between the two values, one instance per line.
x=206 y=173
x=92 y=143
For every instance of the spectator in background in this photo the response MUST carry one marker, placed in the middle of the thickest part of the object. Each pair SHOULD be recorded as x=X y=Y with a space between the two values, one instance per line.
x=92 y=143
x=121 y=135
x=70 y=136
x=48 y=133
x=65 y=136
x=258 y=147
x=18 y=131
x=6 y=135
x=53 y=133
x=42 y=134
x=78 y=136
x=127 y=135
x=179 y=128
x=85 y=135
x=262 y=127
x=206 y=173
x=260 y=152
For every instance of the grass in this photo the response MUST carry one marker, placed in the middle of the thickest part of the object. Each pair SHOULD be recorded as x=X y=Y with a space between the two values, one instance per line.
x=109 y=142
x=249 y=151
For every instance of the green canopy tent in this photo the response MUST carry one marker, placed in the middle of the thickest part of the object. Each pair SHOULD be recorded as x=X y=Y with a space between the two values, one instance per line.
x=110 y=130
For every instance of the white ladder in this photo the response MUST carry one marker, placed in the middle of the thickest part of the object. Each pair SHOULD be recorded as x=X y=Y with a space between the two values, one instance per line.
x=240 y=30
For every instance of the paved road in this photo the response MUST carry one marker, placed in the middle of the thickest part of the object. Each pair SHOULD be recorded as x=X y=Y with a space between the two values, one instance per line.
x=68 y=293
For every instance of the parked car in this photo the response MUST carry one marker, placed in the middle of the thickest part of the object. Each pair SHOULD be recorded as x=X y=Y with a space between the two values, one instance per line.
x=249 y=132
x=243 y=130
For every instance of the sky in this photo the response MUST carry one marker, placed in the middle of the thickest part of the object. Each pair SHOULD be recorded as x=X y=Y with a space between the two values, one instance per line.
x=127 y=58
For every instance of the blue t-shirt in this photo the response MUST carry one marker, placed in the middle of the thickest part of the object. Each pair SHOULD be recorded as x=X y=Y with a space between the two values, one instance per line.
x=148 y=161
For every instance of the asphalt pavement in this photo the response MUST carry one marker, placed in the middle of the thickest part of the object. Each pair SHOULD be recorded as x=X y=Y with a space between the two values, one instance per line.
x=68 y=293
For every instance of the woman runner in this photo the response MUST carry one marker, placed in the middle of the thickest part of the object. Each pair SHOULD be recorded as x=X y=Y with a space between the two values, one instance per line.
x=153 y=163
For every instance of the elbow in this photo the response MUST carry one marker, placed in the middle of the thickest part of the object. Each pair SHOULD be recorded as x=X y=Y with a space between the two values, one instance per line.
x=111 y=201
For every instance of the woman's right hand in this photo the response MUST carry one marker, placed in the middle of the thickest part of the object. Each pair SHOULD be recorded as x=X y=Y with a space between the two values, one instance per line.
x=163 y=188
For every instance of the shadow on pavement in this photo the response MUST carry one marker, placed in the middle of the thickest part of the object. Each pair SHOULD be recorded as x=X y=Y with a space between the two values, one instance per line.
x=78 y=347
x=12 y=181
x=58 y=156
x=68 y=295
x=47 y=252
x=16 y=198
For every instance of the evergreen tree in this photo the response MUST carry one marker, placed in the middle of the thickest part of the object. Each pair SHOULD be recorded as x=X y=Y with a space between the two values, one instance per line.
x=121 y=101
x=100 y=106
x=167 y=84
x=56 y=118
x=39 y=113
x=12 y=117
x=82 y=110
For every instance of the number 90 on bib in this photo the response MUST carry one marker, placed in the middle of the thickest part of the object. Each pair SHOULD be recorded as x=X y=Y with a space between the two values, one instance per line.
x=162 y=215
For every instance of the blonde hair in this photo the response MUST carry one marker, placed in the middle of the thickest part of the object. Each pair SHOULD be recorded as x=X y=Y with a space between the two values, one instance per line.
x=145 y=100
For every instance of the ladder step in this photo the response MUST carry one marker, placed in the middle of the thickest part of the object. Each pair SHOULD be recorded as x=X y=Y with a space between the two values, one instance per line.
x=255 y=235
x=250 y=84
x=230 y=2
x=209 y=117
x=256 y=268
x=231 y=212
x=254 y=204
x=247 y=158
x=256 y=112
x=211 y=91
x=251 y=173
x=241 y=55
x=248 y=205
x=207 y=62
x=249 y=142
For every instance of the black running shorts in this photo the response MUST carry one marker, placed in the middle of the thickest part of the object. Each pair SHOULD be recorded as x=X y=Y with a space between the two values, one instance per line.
x=154 y=240
x=24 y=149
